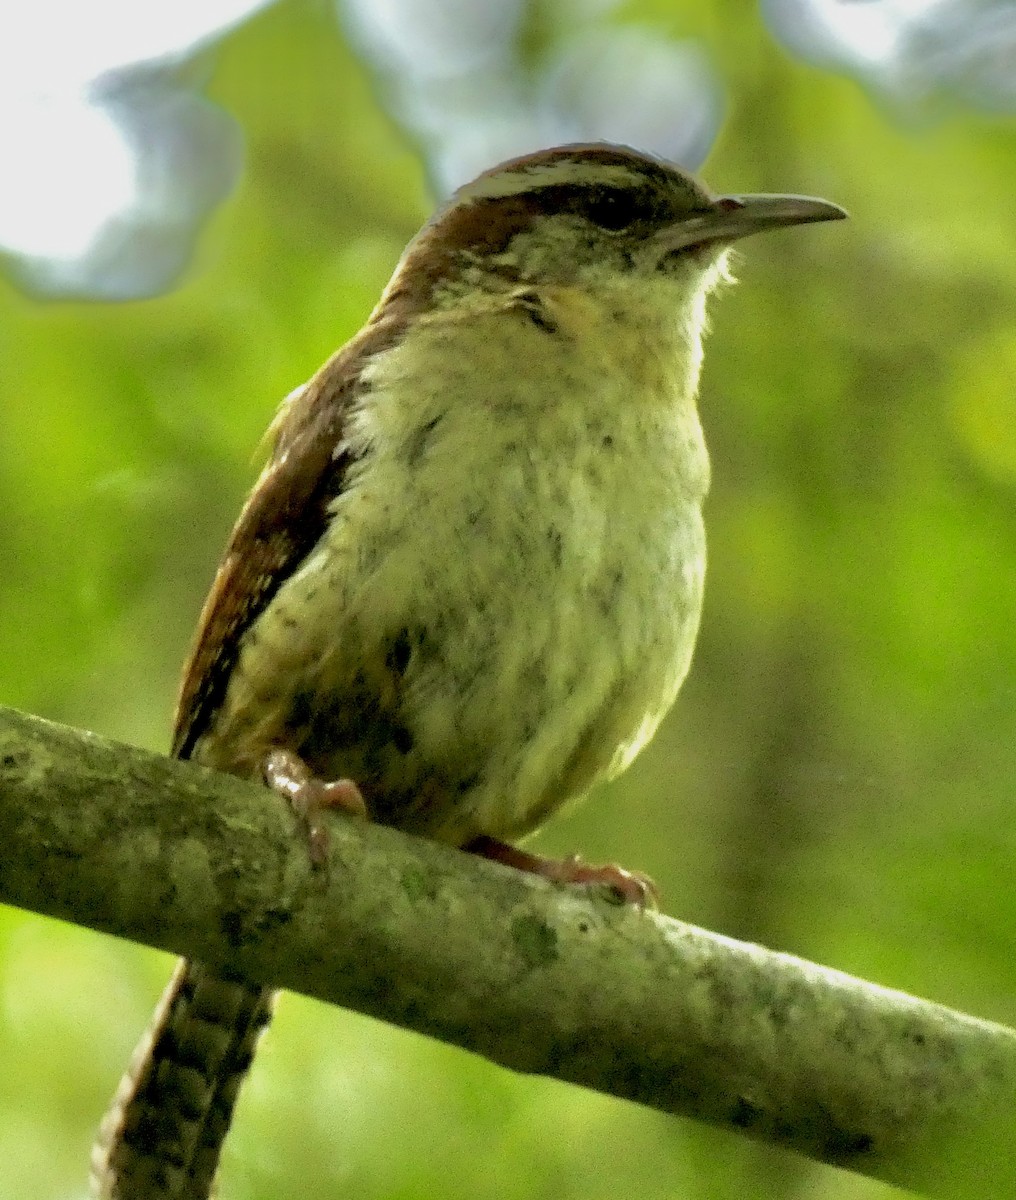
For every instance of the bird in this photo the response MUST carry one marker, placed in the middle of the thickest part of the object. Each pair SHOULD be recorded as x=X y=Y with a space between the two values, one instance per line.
x=467 y=585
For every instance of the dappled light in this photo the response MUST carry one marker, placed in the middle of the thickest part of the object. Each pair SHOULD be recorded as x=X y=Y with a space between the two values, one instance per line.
x=112 y=160
x=917 y=54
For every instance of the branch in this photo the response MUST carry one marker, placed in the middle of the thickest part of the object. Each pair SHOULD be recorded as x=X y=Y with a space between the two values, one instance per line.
x=535 y=977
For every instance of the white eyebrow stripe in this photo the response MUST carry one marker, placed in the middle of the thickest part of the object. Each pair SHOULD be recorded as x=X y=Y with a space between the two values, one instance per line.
x=561 y=171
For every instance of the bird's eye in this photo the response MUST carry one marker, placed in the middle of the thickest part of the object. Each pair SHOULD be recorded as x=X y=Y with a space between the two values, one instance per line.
x=611 y=208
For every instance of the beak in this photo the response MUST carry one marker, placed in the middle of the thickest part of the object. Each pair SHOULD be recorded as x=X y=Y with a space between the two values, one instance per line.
x=734 y=217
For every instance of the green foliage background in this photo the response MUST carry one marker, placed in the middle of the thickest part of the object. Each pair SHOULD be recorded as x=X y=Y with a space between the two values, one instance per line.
x=836 y=779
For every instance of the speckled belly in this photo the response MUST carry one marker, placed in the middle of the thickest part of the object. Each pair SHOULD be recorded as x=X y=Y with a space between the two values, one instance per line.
x=476 y=653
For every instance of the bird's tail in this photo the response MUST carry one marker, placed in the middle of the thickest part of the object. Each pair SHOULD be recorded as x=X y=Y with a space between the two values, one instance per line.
x=162 y=1136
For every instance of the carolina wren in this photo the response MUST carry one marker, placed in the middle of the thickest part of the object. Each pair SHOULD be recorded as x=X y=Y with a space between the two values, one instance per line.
x=469 y=578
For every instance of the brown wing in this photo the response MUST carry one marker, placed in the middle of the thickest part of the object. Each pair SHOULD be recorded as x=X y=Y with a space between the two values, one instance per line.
x=281 y=522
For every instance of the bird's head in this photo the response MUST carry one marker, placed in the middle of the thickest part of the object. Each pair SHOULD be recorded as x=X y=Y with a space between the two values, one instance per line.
x=582 y=213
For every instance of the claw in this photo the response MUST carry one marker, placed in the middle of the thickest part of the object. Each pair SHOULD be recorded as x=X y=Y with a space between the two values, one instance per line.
x=630 y=887
x=285 y=772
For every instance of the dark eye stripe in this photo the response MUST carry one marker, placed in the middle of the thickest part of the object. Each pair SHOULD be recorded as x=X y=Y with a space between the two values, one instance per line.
x=612 y=208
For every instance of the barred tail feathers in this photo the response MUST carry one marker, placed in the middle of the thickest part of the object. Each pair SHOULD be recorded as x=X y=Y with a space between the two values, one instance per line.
x=162 y=1137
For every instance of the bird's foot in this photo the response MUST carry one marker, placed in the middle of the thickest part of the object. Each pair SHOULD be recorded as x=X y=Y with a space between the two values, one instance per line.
x=629 y=887
x=285 y=772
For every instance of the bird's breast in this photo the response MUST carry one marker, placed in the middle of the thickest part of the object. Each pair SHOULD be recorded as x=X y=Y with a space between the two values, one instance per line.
x=506 y=598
